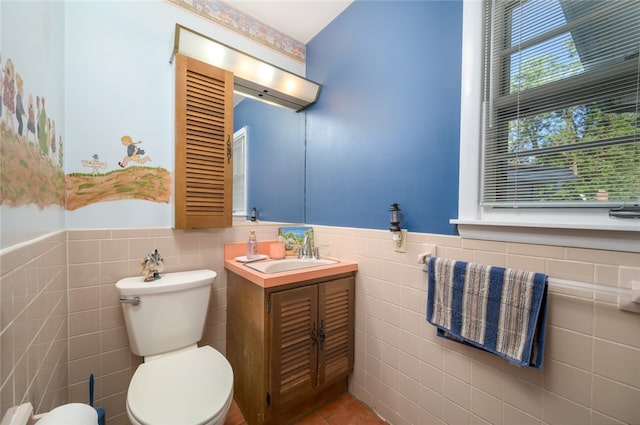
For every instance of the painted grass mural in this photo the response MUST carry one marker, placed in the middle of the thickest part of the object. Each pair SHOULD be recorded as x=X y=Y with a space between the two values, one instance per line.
x=32 y=159
x=26 y=176
x=146 y=183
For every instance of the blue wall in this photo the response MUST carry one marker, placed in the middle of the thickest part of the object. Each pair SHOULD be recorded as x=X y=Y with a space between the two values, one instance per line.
x=386 y=125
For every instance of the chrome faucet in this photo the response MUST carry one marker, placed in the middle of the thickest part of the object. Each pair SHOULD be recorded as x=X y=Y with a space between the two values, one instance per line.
x=306 y=250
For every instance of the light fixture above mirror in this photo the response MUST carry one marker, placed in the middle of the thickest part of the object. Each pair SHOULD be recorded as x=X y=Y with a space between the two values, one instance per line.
x=252 y=77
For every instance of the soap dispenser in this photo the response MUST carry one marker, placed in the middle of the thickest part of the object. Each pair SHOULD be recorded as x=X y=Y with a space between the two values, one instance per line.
x=252 y=246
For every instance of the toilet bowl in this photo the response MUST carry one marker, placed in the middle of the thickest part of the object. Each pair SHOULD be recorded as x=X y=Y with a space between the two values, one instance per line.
x=194 y=386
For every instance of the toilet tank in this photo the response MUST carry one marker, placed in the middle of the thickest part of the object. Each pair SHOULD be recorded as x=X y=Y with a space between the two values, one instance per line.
x=171 y=313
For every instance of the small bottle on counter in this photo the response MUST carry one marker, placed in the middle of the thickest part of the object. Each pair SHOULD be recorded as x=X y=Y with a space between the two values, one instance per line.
x=252 y=245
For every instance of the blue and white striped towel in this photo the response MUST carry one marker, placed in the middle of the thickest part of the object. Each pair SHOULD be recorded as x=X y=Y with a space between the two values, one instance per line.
x=503 y=311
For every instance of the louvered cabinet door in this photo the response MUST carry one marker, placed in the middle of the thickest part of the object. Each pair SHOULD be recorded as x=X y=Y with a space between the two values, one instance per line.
x=204 y=145
x=294 y=330
x=336 y=329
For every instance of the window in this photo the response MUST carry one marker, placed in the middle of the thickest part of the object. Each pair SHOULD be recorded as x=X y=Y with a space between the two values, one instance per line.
x=549 y=118
x=561 y=103
x=240 y=172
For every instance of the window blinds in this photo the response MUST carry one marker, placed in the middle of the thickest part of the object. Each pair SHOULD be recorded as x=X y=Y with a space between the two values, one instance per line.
x=561 y=103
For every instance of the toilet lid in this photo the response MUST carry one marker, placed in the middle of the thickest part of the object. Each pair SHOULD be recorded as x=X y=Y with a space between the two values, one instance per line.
x=186 y=388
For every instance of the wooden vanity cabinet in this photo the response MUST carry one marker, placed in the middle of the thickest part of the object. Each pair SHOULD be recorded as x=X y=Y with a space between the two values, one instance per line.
x=291 y=347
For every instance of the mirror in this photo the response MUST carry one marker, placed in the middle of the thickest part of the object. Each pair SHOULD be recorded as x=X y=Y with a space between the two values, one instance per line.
x=275 y=137
x=275 y=159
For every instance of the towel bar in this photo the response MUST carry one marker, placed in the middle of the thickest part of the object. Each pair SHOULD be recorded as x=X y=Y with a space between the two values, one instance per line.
x=628 y=298
x=613 y=290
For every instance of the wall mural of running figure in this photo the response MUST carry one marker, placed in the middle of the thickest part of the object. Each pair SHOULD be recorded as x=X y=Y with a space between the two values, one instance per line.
x=134 y=153
x=129 y=180
x=32 y=171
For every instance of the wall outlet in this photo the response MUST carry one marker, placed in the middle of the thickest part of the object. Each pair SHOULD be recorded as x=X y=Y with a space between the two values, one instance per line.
x=400 y=245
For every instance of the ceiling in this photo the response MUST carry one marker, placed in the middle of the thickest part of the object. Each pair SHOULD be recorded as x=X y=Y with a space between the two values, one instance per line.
x=299 y=19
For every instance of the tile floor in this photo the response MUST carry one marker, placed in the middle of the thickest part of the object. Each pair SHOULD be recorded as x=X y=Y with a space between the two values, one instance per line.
x=346 y=410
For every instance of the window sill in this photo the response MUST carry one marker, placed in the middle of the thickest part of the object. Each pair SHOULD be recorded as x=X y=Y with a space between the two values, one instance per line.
x=243 y=221
x=623 y=237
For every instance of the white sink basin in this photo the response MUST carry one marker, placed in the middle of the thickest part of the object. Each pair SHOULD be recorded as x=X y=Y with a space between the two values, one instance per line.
x=288 y=264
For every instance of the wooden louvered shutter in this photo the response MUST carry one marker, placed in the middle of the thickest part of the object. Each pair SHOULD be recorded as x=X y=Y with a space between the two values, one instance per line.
x=204 y=145
x=293 y=349
x=336 y=329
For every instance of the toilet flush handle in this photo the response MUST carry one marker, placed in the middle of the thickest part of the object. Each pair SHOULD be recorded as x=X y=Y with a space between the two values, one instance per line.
x=133 y=301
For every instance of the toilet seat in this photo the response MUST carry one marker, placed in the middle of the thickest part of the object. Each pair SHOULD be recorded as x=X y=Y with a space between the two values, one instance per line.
x=190 y=387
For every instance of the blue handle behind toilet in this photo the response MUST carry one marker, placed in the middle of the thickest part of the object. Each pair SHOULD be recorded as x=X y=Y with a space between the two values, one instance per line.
x=99 y=410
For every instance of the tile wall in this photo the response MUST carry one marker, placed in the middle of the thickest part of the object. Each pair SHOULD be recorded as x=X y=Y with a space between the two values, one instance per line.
x=410 y=376
x=62 y=321
x=97 y=334
x=53 y=337
x=33 y=324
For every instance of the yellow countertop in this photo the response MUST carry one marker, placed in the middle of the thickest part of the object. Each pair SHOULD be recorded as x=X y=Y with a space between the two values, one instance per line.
x=269 y=280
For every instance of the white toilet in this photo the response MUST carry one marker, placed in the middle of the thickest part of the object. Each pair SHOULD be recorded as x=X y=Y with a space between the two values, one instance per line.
x=179 y=382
